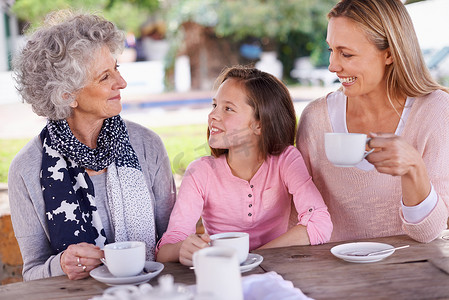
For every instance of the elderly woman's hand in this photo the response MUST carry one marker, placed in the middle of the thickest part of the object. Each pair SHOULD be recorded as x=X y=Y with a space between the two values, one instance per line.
x=78 y=259
x=191 y=244
x=393 y=155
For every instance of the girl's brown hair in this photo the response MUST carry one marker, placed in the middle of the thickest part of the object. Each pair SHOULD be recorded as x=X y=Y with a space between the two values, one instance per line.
x=272 y=104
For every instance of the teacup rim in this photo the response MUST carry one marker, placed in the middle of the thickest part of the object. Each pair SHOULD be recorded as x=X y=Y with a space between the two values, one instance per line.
x=235 y=234
x=134 y=244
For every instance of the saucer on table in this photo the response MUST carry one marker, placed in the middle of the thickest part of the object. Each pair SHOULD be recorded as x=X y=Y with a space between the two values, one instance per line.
x=151 y=270
x=251 y=262
x=342 y=251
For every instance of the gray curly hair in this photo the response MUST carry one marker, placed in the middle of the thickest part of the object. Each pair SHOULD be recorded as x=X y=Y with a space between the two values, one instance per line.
x=54 y=64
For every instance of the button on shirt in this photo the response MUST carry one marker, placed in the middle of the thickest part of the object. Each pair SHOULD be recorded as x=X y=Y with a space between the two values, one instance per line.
x=260 y=207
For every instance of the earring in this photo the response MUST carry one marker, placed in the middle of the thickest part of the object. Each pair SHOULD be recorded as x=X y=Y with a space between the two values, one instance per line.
x=73 y=104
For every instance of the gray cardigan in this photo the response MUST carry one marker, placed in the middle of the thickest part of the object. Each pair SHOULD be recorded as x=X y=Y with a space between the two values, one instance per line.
x=28 y=209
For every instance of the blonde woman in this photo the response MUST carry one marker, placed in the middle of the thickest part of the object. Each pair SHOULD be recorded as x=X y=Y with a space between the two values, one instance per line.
x=386 y=92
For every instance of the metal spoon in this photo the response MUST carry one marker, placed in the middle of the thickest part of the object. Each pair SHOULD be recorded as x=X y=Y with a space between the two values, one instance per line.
x=249 y=261
x=359 y=253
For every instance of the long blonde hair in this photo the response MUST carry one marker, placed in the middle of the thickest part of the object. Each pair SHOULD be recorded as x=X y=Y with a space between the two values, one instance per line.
x=389 y=26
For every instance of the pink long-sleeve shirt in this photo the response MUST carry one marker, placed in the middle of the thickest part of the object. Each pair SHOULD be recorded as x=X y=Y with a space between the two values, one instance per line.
x=367 y=204
x=260 y=207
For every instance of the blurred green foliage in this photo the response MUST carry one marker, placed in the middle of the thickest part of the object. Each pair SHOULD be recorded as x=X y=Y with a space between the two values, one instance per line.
x=251 y=18
x=184 y=144
x=8 y=149
x=128 y=15
x=293 y=28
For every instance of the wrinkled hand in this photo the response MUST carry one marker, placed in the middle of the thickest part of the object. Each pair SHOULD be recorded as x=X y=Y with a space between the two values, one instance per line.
x=79 y=259
x=393 y=155
x=190 y=245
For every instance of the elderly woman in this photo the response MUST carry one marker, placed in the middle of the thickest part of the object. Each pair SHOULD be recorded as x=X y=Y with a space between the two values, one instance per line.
x=387 y=92
x=89 y=178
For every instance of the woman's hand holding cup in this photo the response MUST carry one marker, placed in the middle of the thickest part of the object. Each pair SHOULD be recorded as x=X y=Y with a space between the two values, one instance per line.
x=79 y=259
x=393 y=154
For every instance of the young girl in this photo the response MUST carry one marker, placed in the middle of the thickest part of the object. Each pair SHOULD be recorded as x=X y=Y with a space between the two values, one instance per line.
x=248 y=183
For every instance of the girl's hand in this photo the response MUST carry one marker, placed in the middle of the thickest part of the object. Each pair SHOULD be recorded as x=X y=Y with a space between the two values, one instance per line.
x=393 y=155
x=191 y=244
x=79 y=259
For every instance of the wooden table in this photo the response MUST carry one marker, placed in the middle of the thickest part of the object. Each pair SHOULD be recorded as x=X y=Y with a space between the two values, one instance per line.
x=416 y=272
x=413 y=273
x=63 y=288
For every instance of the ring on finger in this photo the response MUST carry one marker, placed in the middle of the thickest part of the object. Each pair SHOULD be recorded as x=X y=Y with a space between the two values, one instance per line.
x=84 y=268
x=79 y=262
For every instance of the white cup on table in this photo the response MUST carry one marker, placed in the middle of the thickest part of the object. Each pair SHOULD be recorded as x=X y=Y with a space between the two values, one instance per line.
x=236 y=240
x=346 y=149
x=217 y=273
x=124 y=259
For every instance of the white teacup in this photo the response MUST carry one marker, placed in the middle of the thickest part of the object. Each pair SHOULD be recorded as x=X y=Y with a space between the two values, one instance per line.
x=124 y=259
x=345 y=149
x=237 y=240
x=217 y=273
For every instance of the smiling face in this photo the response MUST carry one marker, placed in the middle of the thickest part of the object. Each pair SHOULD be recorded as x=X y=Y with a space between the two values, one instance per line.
x=100 y=98
x=232 y=124
x=359 y=65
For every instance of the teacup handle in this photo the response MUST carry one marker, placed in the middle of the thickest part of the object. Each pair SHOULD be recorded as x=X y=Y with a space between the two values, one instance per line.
x=368 y=152
x=103 y=260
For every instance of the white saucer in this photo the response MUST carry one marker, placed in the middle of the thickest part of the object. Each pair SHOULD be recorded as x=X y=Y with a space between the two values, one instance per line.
x=251 y=262
x=102 y=274
x=340 y=251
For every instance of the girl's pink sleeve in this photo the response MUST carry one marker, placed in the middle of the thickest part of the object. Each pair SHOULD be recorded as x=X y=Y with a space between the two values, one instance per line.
x=312 y=211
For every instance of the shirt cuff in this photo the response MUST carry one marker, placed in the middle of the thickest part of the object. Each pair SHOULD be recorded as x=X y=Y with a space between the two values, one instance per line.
x=417 y=213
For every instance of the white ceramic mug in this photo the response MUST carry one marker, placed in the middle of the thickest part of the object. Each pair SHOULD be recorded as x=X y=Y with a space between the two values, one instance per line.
x=217 y=273
x=345 y=149
x=124 y=259
x=236 y=240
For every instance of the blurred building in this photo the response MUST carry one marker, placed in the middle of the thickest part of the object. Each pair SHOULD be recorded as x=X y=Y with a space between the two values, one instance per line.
x=207 y=53
x=10 y=41
x=152 y=44
x=431 y=21
x=9 y=34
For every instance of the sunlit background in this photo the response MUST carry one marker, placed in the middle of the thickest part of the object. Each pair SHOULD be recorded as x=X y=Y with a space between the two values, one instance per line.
x=176 y=48
x=174 y=51
x=182 y=45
